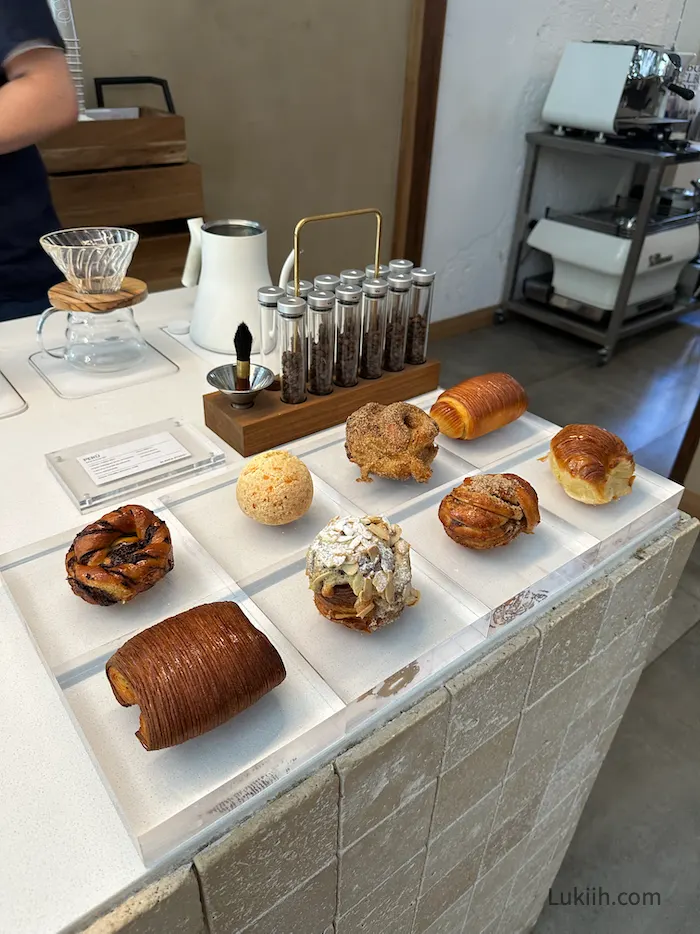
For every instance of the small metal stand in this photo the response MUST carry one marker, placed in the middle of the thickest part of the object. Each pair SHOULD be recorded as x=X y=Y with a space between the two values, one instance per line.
x=337 y=215
x=655 y=162
x=272 y=422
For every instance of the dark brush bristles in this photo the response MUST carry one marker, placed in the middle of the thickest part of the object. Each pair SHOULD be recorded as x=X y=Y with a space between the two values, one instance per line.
x=243 y=342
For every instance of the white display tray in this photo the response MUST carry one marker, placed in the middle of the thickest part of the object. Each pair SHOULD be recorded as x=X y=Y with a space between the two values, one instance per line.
x=269 y=564
x=330 y=463
x=69 y=383
x=242 y=546
x=339 y=680
x=531 y=568
x=164 y=797
x=354 y=663
x=72 y=633
x=508 y=441
x=524 y=433
x=11 y=403
x=653 y=499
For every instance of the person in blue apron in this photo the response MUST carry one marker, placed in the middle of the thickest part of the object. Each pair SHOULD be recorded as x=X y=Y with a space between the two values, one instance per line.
x=37 y=98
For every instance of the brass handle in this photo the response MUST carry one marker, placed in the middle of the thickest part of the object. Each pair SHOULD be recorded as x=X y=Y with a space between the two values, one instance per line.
x=330 y=217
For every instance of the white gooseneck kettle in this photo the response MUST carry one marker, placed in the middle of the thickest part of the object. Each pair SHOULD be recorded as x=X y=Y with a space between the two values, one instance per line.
x=228 y=260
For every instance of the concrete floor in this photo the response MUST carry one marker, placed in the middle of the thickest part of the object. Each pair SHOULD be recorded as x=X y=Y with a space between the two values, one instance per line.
x=646 y=394
x=640 y=830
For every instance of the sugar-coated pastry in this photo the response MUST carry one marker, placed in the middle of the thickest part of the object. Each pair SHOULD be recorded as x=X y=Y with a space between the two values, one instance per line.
x=592 y=465
x=360 y=572
x=193 y=672
x=479 y=405
x=489 y=510
x=395 y=441
x=275 y=488
x=119 y=556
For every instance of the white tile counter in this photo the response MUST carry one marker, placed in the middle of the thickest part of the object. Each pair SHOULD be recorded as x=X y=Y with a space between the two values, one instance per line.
x=71 y=851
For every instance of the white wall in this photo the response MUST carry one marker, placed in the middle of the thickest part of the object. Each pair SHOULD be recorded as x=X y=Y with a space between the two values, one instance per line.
x=688 y=39
x=498 y=60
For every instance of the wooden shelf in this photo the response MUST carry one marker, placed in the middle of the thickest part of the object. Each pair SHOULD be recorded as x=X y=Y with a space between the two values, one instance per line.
x=130 y=173
x=154 y=138
x=124 y=197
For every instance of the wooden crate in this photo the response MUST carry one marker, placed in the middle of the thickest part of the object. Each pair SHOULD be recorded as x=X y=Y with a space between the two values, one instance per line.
x=130 y=173
x=124 y=197
x=271 y=422
x=154 y=138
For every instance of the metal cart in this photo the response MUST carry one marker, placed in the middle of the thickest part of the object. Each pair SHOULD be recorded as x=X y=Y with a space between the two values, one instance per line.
x=655 y=162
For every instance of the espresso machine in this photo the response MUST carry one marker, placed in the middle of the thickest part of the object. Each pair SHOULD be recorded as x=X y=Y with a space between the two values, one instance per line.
x=624 y=263
x=616 y=89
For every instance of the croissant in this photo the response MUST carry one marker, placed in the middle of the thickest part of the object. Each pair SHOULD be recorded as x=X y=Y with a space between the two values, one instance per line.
x=193 y=672
x=592 y=465
x=119 y=556
x=489 y=510
x=479 y=405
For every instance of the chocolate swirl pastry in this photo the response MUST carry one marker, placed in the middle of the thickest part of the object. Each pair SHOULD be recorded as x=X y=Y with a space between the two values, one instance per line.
x=119 y=556
x=193 y=672
x=489 y=510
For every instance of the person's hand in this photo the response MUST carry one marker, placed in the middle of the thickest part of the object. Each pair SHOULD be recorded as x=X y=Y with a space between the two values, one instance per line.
x=38 y=99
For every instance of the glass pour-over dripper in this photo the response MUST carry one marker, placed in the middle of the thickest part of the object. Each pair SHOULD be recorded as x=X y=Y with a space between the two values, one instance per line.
x=93 y=259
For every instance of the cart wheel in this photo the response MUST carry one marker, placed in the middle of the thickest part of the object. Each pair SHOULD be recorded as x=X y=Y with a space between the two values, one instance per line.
x=499 y=316
x=604 y=355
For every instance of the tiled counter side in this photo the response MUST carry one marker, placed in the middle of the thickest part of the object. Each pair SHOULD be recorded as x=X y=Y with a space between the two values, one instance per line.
x=675 y=620
x=454 y=817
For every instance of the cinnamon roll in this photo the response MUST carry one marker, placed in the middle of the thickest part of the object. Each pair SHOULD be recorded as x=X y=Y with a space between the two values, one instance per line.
x=489 y=510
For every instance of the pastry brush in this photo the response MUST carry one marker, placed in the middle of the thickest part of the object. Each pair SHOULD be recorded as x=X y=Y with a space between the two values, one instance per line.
x=243 y=342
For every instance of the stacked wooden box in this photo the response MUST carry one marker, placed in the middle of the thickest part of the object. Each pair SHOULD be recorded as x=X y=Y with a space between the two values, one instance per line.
x=130 y=173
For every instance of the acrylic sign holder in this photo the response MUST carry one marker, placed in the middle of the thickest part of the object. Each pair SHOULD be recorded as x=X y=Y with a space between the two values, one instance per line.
x=193 y=454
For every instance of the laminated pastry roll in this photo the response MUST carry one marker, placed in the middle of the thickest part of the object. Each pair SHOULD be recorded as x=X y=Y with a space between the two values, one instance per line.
x=479 y=405
x=592 y=465
x=360 y=572
x=193 y=672
x=396 y=441
x=119 y=556
x=489 y=510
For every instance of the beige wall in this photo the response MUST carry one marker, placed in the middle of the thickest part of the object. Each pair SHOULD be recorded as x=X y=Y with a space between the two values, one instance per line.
x=497 y=65
x=292 y=108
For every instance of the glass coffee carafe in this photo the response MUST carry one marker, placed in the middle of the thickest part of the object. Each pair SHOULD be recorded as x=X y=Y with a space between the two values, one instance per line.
x=94 y=260
x=105 y=341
